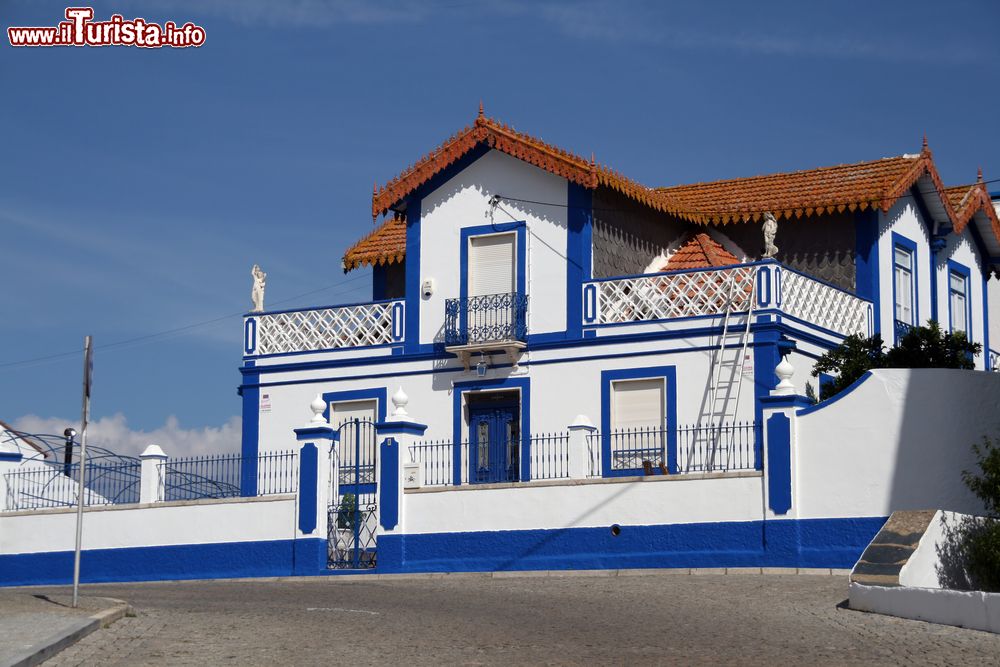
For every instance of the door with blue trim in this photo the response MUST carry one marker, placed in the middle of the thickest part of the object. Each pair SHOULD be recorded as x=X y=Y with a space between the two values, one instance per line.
x=495 y=444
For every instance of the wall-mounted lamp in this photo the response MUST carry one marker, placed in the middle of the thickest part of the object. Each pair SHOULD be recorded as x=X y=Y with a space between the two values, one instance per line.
x=481 y=366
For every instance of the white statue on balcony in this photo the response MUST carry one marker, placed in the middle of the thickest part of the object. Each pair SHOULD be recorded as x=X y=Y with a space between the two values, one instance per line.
x=257 y=291
x=770 y=230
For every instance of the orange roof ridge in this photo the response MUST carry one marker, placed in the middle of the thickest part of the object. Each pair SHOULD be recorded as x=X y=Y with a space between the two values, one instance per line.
x=506 y=139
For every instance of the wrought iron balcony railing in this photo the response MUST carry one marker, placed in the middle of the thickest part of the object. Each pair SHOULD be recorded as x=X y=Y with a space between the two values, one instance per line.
x=493 y=318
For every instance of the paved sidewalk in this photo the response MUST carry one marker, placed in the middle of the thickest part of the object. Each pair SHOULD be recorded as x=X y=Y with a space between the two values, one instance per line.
x=36 y=626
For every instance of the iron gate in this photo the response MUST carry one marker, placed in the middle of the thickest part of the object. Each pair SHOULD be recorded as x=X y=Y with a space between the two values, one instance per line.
x=353 y=514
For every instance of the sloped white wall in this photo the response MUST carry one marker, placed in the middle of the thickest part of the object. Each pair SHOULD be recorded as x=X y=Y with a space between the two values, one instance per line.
x=899 y=441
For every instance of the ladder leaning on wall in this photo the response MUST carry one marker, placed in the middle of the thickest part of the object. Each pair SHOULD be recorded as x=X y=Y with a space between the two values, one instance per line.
x=731 y=356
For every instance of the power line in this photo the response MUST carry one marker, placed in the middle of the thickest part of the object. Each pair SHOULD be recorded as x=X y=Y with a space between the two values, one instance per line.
x=167 y=332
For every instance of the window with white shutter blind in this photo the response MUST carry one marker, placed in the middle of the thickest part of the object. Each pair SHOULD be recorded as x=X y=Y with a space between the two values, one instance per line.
x=637 y=404
x=491 y=264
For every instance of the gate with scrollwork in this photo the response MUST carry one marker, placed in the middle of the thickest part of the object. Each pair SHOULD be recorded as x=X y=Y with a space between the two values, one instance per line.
x=353 y=512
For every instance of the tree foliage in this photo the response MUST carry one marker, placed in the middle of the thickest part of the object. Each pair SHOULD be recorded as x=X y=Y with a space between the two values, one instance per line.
x=920 y=347
x=969 y=555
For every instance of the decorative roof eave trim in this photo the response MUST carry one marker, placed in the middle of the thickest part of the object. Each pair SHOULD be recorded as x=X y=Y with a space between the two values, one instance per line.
x=505 y=139
x=979 y=201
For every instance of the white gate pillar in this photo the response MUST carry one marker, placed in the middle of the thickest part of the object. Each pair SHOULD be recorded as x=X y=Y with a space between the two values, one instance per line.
x=780 y=445
x=9 y=462
x=579 y=449
x=394 y=472
x=318 y=438
x=152 y=475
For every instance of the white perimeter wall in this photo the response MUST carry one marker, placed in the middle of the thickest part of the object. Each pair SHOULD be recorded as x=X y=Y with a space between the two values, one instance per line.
x=899 y=441
x=463 y=201
x=257 y=519
x=653 y=501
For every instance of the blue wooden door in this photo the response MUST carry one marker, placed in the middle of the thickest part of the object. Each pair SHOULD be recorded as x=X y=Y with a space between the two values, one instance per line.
x=495 y=444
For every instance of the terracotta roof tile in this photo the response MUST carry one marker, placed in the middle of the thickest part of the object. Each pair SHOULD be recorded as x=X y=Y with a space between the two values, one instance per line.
x=385 y=245
x=701 y=251
x=967 y=200
x=846 y=187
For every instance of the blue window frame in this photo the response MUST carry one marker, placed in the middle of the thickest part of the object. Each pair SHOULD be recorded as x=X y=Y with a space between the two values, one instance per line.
x=668 y=374
x=959 y=298
x=904 y=284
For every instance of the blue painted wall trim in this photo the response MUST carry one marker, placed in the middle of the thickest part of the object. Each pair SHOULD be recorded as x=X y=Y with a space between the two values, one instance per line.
x=519 y=228
x=966 y=273
x=272 y=558
x=411 y=269
x=388 y=484
x=866 y=262
x=765 y=359
x=669 y=375
x=378 y=394
x=579 y=248
x=400 y=428
x=830 y=401
x=986 y=319
x=461 y=388
x=250 y=434
x=779 y=463
x=833 y=543
x=12 y=456
x=308 y=468
x=900 y=241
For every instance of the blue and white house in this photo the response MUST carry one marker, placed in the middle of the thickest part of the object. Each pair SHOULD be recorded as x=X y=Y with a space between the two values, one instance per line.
x=562 y=368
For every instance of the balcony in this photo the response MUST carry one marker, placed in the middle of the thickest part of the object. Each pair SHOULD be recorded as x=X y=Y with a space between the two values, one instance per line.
x=329 y=328
x=485 y=323
x=716 y=291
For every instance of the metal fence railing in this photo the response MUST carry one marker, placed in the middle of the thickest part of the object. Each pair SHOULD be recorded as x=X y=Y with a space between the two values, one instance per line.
x=43 y=485
x=700 y=448
x=550 y=456
x=219 y=475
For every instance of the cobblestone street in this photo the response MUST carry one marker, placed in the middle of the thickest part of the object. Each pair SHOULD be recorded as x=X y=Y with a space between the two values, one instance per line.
x=647 y=619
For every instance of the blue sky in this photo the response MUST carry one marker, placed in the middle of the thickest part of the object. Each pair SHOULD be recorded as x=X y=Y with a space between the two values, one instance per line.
x=137 y=187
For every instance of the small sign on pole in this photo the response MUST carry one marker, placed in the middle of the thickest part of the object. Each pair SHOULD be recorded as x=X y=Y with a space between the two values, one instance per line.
x=88 y=369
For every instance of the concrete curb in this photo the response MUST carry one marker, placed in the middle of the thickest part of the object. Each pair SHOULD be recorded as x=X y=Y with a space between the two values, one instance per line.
x=59 y=641
x=510 y=574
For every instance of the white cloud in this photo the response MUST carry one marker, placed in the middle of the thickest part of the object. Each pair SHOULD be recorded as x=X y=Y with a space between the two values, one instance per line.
x=114 y=433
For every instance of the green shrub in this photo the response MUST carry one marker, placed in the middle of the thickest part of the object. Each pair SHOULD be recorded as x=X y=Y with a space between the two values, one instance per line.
x=969 y=554
x=920 y=347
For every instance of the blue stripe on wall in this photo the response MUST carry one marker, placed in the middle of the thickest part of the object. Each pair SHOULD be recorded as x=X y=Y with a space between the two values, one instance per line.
x=249 y=436
x=274 y=558
x=833 y=543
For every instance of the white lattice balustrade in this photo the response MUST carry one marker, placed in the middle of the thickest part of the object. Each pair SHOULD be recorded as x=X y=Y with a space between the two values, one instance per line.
x=326 y=328
x=823 y=305
x=659 y=297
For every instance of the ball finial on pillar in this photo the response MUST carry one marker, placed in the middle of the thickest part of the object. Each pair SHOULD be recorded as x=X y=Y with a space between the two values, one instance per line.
x=400 y=401
x=784 y=371
x=318 y=406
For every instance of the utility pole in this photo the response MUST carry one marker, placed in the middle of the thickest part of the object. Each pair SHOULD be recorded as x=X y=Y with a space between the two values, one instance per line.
x=88 y=368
